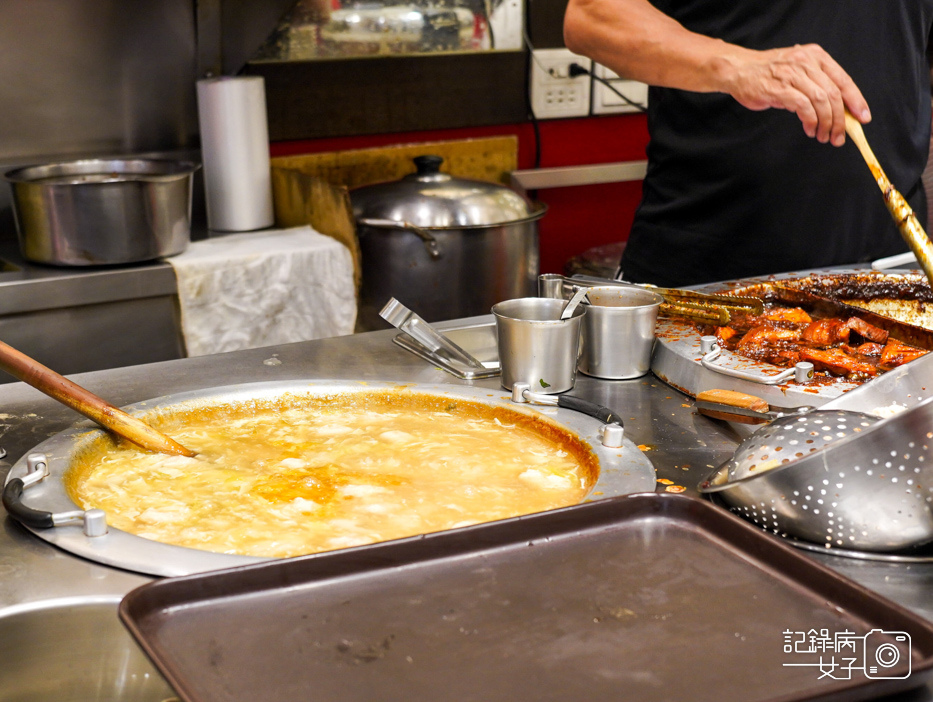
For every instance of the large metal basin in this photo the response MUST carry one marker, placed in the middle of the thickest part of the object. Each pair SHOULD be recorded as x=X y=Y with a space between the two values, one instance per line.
x=622 y=470
x=74 y=650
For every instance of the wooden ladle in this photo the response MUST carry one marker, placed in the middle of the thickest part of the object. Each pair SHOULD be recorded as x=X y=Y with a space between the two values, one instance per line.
x=44 y=379
x=904 y=217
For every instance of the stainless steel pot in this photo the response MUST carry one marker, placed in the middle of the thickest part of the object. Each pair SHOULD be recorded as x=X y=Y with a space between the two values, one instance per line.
x=446 y=247
x=43 y=504
x=102 y=211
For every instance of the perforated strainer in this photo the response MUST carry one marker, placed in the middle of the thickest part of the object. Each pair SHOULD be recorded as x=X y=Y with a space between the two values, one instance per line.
x=863 y=483
x=792 y=437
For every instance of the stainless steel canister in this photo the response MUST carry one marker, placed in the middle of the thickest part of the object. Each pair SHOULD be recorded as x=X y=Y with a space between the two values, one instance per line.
x=535 y=345
x=103 y=211
x=618 y=332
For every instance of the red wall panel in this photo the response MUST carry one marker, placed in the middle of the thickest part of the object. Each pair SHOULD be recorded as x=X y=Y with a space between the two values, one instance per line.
x=579 y=217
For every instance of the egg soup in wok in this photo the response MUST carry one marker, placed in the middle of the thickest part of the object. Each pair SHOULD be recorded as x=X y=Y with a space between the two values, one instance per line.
x=300 y=474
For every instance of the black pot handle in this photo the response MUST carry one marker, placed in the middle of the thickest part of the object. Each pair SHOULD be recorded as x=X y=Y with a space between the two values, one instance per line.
x=603 y=414
x=13 y=502
x=428 y=164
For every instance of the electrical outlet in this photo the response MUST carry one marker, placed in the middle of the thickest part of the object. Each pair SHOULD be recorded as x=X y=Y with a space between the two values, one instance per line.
x=606 y=102
x=553 y=92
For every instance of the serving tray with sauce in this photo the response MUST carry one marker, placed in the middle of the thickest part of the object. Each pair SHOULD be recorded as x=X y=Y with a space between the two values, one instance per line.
x=642 y=597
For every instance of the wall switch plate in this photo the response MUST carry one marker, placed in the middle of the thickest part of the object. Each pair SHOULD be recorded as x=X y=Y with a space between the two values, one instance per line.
x=554 y=93
x=606 y=102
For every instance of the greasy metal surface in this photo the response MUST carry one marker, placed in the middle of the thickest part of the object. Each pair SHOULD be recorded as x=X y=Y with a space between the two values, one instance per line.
x=74 y=650
x=682 y=445
x=589 y=602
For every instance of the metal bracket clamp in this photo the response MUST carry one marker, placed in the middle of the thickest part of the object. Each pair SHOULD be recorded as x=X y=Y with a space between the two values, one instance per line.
x=801 y=372
x=94 y=520
x=612 y=433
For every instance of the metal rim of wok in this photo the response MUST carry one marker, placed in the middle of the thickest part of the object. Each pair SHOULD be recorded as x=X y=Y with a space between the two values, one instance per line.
x=623 y=470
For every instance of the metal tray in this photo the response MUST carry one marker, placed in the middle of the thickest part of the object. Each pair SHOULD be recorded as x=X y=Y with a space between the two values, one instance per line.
x=678 y=353
x=644 y=597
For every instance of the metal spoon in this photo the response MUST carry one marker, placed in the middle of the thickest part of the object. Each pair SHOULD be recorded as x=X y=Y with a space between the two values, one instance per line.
x=571 y=305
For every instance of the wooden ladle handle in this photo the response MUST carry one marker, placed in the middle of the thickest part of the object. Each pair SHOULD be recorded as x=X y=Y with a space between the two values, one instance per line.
x=905 y=219
x=44 y=379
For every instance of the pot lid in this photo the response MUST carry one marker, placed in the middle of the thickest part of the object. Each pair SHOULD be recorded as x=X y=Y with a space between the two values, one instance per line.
x=429 y=198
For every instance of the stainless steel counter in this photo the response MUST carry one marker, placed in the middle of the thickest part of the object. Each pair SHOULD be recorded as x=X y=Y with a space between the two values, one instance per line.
x=682 y=445
x=84 y=319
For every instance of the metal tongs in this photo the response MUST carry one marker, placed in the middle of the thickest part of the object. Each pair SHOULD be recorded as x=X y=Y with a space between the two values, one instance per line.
x=425 y=341
x=703 y=307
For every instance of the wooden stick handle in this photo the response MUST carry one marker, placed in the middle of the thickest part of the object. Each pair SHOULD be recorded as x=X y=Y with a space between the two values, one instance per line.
x=56 y=386
x=734 y=398
x=902 y=213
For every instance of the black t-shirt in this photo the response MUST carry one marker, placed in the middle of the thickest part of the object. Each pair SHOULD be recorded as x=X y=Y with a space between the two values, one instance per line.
x=732 y=192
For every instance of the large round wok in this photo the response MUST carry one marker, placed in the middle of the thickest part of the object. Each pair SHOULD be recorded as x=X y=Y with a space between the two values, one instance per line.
x=622 y=470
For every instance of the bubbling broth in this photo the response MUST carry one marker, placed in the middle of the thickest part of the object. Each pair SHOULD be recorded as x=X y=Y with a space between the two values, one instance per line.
x=301 y=474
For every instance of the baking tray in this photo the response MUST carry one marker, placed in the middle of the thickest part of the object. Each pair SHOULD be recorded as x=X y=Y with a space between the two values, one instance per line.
x=644 y=597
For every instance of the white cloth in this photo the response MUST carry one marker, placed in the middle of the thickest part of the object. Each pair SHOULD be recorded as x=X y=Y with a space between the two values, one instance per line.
x=247 y=290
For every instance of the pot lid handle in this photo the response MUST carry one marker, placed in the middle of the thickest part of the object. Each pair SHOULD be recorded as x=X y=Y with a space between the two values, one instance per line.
x=428 y=164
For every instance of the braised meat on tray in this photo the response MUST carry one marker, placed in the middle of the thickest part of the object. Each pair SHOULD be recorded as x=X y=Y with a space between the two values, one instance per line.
x=851 y=347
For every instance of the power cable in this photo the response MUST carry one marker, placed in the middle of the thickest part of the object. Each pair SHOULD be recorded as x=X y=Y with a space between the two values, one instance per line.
x=575 y=69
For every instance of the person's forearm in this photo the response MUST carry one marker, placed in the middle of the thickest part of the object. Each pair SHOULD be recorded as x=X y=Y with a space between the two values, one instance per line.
x=638 y=42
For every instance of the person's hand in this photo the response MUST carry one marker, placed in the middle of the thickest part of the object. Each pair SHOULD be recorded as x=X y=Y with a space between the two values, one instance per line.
x=804 y=80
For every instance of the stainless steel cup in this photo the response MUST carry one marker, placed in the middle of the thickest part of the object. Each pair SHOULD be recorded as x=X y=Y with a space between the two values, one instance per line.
x=618 y=332
x=535 y=345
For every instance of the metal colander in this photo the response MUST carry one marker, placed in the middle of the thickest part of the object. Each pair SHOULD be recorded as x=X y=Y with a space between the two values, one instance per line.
x=792 y=437
x=864 y=483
